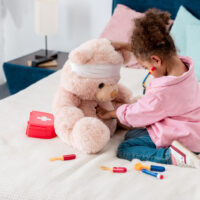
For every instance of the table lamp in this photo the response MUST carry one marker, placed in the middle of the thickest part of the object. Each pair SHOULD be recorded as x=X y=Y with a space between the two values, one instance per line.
x=46 y=23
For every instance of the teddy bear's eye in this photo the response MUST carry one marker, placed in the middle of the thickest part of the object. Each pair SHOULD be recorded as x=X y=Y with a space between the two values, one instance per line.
x=101 y=85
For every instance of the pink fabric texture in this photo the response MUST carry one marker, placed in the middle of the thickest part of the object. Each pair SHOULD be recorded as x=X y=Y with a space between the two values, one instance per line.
x=170 y=110
x=120 y=28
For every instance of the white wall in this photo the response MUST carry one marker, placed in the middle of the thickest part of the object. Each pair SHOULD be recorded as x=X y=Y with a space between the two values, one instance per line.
x=79 y=20
x=2 y=79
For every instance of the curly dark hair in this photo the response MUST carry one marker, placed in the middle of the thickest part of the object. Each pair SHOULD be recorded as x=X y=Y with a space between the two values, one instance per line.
x=151 y=35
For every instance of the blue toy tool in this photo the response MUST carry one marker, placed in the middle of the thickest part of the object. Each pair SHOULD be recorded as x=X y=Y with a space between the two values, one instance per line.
x=139 y=167
x=156 y=175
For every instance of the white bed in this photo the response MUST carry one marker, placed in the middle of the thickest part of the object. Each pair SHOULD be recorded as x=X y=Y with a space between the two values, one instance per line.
x=26 y=173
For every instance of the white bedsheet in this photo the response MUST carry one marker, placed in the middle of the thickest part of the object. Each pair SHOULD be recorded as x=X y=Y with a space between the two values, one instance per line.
x=26 y=173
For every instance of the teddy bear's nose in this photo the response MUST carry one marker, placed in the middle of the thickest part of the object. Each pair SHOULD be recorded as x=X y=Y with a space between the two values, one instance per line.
x=113 y=94
x=101 y=85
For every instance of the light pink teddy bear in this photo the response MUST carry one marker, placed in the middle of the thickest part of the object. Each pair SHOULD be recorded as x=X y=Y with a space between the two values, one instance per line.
x=89 y=79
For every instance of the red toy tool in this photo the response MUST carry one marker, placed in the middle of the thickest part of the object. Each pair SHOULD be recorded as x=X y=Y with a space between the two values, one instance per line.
x=115 y=169
x=41 y=125
x=64 y=157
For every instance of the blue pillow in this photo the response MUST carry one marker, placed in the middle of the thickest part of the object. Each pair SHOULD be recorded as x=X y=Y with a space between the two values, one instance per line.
x=185 y=39
x=193 y=46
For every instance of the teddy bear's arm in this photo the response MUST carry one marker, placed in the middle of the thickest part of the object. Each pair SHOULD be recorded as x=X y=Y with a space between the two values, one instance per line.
x=124 y=96
x=65 y=98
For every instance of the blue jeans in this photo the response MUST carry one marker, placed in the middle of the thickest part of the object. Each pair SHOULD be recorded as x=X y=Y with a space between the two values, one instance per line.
x=138 y=145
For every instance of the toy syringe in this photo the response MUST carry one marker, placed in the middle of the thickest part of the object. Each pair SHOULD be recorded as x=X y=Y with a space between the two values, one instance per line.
x=114 y=169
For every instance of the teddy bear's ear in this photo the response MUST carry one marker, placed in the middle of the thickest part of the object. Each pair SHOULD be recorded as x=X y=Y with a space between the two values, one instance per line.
x=81 y=55
x=124 y=48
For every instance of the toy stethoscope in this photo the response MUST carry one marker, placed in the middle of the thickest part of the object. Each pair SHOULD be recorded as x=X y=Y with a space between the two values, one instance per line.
x=144 y=81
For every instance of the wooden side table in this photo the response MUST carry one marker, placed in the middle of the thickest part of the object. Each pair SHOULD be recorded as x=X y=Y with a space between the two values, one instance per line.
x=19 y=75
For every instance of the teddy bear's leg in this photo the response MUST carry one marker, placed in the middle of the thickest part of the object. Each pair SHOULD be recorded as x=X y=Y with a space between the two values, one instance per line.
x=64 y=121
x=90 y=135
x=112 y=125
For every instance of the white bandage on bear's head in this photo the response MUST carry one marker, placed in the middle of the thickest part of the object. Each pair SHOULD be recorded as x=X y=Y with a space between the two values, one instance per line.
x=96 y=71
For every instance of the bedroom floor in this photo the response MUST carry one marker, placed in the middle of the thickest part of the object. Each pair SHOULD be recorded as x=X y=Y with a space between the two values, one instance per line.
x=4 y=92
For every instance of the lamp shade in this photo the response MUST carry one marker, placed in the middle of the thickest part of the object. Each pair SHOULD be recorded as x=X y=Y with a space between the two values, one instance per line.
x=46 y=17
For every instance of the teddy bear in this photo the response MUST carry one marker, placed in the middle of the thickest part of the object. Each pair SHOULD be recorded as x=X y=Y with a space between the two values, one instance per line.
x=89 y=79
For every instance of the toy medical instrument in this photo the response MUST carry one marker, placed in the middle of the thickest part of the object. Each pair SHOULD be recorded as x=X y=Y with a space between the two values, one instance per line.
x=144 y=81
x=114 y=169
x=139 y=167
x=64 y=157
x=156 y=175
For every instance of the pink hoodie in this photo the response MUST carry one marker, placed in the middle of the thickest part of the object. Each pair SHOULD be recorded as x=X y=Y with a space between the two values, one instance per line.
x=170 y=110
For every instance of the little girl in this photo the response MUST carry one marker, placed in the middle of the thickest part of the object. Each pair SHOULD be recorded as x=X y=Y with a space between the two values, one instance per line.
x=170 y=108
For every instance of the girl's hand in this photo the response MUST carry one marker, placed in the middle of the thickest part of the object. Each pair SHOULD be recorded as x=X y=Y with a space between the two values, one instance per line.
x=103 y=114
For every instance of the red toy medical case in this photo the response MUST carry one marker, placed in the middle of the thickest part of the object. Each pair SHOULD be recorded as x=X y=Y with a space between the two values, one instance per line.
x=41 y=125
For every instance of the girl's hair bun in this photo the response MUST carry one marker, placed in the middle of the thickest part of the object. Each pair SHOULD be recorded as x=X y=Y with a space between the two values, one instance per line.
x=151 y=33
x=158 y=16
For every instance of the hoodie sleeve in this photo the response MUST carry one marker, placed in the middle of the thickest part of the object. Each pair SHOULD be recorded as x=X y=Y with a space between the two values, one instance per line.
x=147 y=110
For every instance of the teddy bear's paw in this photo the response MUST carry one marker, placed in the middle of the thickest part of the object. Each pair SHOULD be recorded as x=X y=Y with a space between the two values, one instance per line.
x=90 y=135
x=65 y=121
